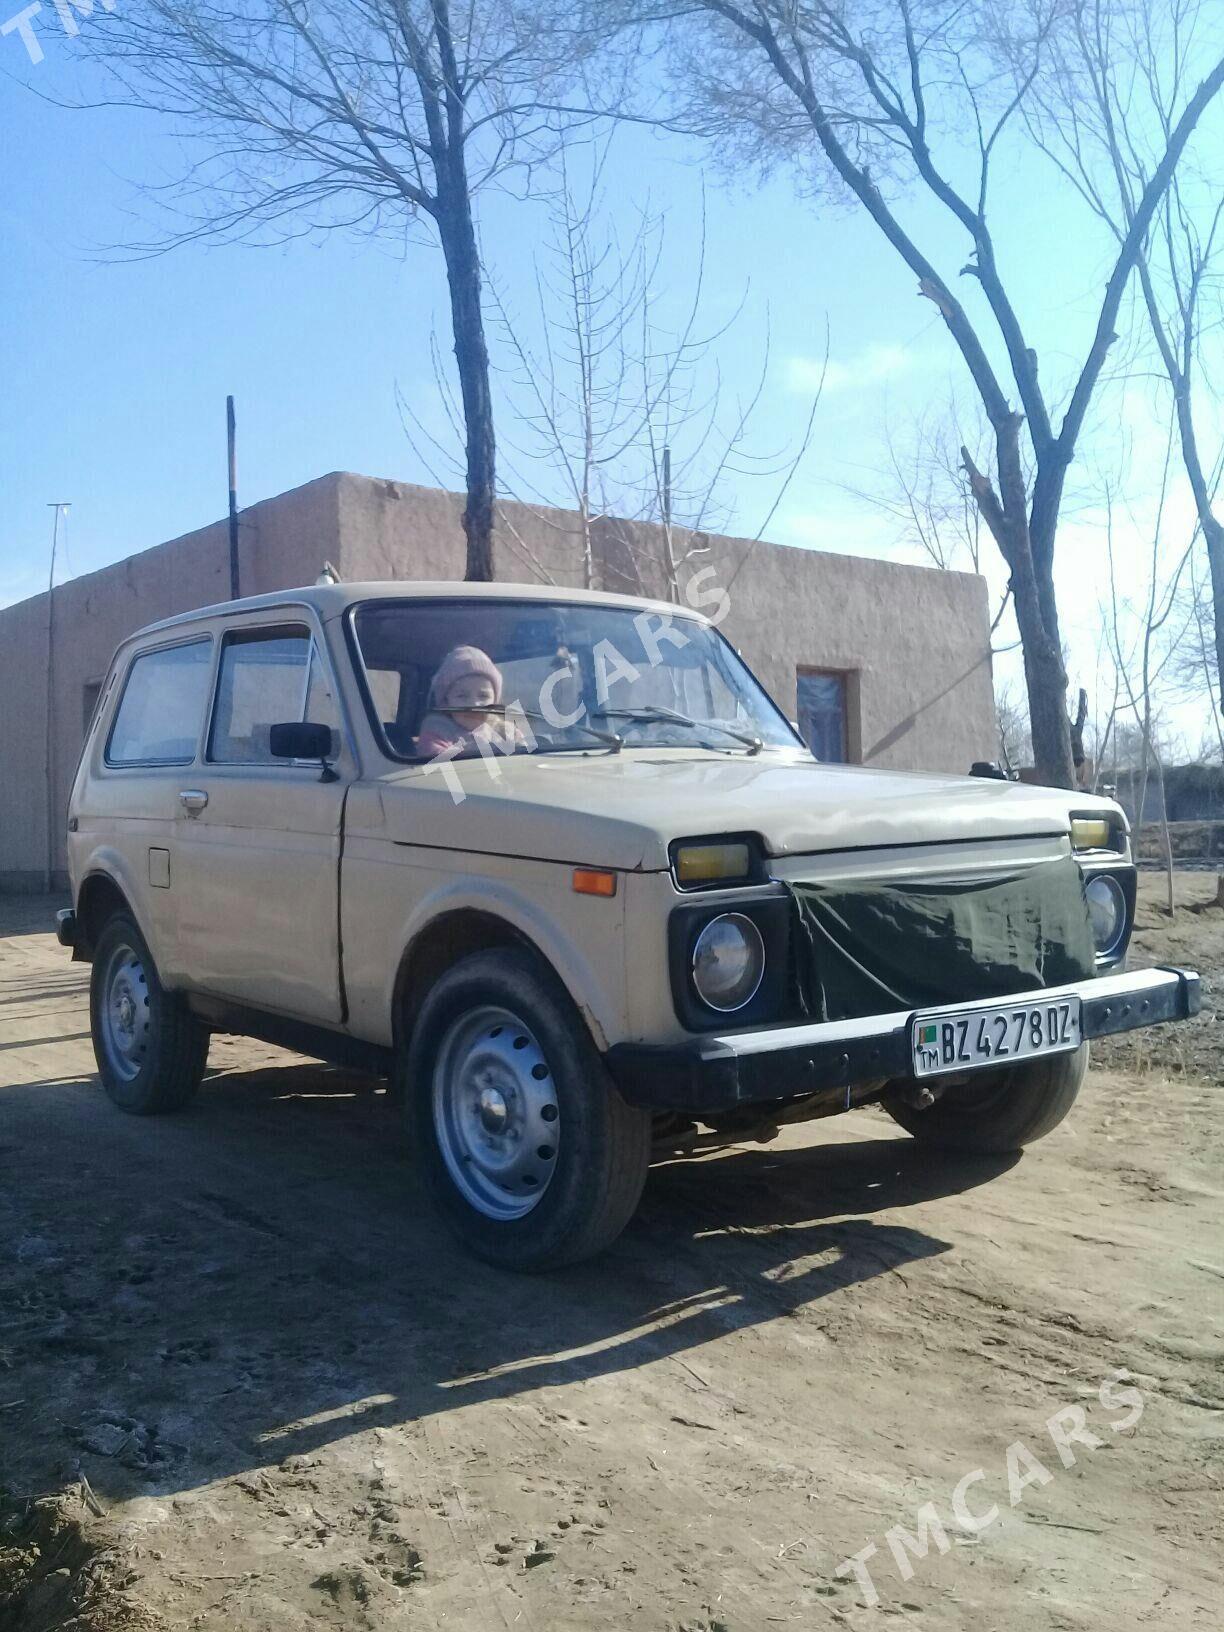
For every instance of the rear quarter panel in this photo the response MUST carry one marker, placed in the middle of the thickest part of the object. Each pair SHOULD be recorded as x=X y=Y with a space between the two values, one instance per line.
x=115 y=817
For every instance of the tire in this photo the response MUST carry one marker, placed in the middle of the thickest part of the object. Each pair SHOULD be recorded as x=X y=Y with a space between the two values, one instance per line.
x=151 y=1050
x=1000 y=1111
x=531 y=1154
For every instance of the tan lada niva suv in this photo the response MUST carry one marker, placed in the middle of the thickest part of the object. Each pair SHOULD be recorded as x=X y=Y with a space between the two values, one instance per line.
x=554 y=864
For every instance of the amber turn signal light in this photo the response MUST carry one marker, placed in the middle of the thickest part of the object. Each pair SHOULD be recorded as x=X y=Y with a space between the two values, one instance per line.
x=592 y=881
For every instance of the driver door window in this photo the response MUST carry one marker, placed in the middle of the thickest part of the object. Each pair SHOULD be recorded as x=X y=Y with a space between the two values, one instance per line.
x=262 y=683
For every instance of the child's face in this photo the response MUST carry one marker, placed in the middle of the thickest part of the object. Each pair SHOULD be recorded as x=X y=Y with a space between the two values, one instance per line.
x=470 y=697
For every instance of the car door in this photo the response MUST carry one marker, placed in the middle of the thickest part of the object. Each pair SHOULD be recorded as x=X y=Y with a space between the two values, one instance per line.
x=258 y=846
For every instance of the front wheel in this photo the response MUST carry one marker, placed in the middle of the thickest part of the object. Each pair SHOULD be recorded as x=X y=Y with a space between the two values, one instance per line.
x=151 y=1051
x=532 y=1155
x=999 y=1111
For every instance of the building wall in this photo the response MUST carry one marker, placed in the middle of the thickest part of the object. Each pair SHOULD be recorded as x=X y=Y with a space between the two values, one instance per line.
x=393 y=530
x=914 y=641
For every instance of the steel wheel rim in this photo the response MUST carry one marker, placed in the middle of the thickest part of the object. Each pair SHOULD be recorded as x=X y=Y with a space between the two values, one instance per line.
x=495 y=1113
x=126 y=1013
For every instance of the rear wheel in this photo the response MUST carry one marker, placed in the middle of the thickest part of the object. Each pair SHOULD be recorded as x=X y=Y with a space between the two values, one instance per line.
x=532 y=1155
x=151 y=1051
x=999 y=1110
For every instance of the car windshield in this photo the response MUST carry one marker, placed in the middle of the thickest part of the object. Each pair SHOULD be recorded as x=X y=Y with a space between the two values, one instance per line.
x=443 y=677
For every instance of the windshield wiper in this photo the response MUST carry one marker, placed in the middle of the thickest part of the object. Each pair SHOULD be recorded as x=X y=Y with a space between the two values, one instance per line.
x=610 y=739
x=655 y=711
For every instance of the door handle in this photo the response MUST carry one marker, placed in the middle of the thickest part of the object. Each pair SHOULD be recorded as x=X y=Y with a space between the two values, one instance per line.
x=193 y=800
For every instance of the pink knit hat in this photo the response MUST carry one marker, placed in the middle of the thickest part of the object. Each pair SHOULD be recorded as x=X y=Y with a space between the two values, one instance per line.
x=458 y=663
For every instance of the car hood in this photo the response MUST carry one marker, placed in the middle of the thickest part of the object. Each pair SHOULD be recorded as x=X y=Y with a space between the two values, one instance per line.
x=623 y=810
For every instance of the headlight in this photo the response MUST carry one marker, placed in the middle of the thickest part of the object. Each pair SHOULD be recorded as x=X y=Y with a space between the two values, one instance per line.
x=728 y=962
x=1107 y=909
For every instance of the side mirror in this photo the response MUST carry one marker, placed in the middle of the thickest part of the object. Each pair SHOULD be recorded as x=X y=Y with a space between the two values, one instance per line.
x=302 y=739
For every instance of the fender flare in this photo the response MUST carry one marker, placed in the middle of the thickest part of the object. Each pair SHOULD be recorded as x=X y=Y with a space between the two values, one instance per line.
x=107 y=863
x=528 y=924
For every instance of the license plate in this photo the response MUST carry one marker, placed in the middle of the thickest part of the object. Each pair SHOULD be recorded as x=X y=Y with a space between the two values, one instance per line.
x=960 y=1041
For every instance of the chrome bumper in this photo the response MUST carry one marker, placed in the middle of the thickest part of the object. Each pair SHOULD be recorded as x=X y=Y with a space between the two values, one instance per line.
x=717 y=1073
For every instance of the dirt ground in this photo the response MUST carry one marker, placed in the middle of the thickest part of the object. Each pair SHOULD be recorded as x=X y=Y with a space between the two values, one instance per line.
x=247 y=1383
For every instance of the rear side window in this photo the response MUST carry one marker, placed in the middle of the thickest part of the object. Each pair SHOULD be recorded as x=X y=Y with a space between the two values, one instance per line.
x=161 y=712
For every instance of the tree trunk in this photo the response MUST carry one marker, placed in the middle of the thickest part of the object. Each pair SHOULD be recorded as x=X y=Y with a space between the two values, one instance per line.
x=1046 y=681
x=1213 y=532
x=1179 y=379
x=458 y=237
x=1029 y=554
x=1045 y=677
x=1042 y=639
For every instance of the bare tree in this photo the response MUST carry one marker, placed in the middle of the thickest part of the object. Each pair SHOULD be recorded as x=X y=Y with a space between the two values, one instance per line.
x=922 y=485
x=384 y=115
x=614 y=391
x=601 y=388
x=1199 y=669
x=859 y=95
x=1011 y=721
x=1144 y=633
x=1103 y=112
x=924 y=488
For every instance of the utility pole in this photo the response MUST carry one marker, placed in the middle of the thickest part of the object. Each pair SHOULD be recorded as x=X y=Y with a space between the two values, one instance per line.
x=232 y=440
x=673 y=581
x=60 y=508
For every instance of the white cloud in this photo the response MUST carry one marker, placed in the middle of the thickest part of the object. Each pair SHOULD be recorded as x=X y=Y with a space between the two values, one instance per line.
x=873 y=365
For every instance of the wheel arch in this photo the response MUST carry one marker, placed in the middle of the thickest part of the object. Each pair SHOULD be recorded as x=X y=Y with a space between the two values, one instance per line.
x=442 y=942
x=100 y=896
x=453 y=934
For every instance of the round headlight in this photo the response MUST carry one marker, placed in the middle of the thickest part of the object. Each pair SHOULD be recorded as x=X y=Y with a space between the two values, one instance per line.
x=1107 y=909
x=728 y=962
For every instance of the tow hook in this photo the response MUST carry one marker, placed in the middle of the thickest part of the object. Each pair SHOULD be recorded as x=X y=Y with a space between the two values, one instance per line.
x=915 y=1094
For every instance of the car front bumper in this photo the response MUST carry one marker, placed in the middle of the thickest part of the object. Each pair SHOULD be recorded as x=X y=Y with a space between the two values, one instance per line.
x=713 y=1074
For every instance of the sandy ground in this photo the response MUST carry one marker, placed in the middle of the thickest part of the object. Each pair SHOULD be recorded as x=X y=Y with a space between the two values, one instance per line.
x=247 y=1383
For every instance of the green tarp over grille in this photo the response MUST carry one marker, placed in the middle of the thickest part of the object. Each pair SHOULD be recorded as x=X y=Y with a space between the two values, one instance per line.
x=908 y=944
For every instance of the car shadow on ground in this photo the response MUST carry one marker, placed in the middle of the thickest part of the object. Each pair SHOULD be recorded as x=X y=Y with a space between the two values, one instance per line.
x=261 y=1276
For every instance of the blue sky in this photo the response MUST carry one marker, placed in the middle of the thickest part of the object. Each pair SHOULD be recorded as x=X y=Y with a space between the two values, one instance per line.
x=117 y=370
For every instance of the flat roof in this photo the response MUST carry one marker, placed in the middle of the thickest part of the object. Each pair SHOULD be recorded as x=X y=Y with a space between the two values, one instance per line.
x=330 y=600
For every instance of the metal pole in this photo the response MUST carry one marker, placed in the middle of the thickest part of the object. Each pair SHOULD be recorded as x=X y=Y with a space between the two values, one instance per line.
x=231 y=434
x=673 y=584
x=59 y=506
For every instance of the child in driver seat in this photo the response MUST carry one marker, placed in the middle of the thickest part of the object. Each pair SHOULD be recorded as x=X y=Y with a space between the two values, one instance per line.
x=467 y=685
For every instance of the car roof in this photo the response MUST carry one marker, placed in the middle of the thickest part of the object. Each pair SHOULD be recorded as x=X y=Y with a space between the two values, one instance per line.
x=330 y=600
